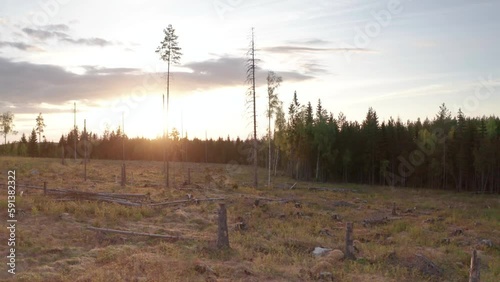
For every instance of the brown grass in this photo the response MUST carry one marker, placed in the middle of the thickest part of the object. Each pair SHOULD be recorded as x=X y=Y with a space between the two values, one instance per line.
x=274 y=245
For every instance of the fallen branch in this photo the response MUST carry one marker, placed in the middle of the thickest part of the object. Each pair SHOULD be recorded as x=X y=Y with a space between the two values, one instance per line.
x=293 y=185
x=84 y=193
x=374 y=221
x=427 y=266
x=332 y=189
x=185 y=201
x=132 y=233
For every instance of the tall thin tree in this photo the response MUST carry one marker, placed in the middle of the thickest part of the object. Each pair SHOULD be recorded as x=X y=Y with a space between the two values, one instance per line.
x=40 y=125
x=273 y=82
x=7 y=125
x=169 y=52
x=250 y=64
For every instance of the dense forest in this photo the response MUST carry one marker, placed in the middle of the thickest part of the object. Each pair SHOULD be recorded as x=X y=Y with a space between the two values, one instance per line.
x=448 y=152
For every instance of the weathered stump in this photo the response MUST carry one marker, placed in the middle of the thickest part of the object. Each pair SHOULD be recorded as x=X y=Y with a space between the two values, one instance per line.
x=222 y=234
x=124 y=176
x=474 y=268
x=349 y=247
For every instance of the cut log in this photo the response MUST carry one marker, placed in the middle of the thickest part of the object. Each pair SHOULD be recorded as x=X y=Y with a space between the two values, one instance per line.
x=132 y=233
x=193 y=200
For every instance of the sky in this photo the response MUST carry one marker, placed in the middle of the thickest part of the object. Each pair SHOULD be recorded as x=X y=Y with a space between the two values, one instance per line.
x=404 y=58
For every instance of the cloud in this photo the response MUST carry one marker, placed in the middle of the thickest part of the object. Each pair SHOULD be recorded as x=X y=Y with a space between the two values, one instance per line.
x=94 y=41
x=314 y=68
x=26 y=86
x=19 y=45
x=56 y=32
x=315 y=41
x=57 y=27
x=96 y=70
x=41 y=34
x=230 y=71
x=302 y=49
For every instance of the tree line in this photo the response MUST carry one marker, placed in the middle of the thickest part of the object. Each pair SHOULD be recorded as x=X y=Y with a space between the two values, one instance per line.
x=458 y=152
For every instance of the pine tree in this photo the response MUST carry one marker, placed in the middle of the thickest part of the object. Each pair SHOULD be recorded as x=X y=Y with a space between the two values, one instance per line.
x=169 y=52
x=32 y=144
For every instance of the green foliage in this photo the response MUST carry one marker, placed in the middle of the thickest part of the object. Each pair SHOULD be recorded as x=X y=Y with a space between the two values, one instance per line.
x=32 y=144
x=7 y=125
x=459 y=153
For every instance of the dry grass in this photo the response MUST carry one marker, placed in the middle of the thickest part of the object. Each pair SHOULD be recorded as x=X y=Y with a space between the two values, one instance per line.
x=274 y=245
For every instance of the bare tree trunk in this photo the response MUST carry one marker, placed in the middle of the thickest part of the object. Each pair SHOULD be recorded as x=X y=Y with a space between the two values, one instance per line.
x=276 y=158
x=317 y=167
x=255 y=179
x=167 y=151
x=269 y=172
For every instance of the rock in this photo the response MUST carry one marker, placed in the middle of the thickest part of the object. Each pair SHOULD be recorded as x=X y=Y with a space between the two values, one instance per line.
x=487 y=242
x=319 y=251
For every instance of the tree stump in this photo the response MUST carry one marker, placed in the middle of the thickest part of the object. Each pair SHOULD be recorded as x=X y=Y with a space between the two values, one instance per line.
x=394 y=209
x=474 y=268
x=349 y=247
x=222 y=234
x=124 y=176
